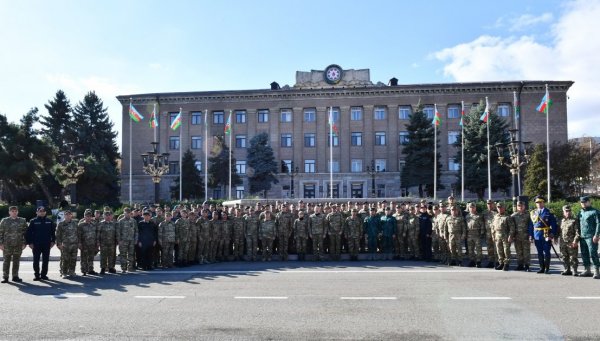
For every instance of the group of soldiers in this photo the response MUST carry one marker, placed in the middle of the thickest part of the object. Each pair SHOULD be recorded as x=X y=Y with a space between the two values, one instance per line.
x=156 y=236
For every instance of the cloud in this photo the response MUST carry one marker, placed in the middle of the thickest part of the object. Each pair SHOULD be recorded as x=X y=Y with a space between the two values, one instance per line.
x=571 y=54
x=528 y=20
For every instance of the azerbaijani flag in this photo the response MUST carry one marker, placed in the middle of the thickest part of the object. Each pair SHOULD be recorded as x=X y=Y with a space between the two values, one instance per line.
x=134 y=114
x=332 y=124
x=228 y=124
x=545 y=104
x=437 y=118
x=154 y=118
x=462 y=113
x=177 y=121
x=486 y=113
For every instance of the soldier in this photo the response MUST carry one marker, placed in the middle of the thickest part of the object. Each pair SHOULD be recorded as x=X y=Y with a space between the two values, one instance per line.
x=238 y=234
x=372 y=229
x=504 y=229
x=488 y=218
x=589 y=235
x=127 y=237
x=166 y=239
x=568 y=241
x=413 y=232
x=456 y=232
x=353 y=230
x=542 y=229
x=475 y=232
x=285 y=226
x=182 y=232
x=215 y=228
x=335 y=222
x=425 y=231
x=300 y=235
x=441 y=230
x=522 y=244
x=203 y=224
x=107 y=235
x=251 y=228
x=317 y=231
x=223 y=252
x=12 y=243
x=191 y=257
x=40 y=236
x=88 y=243
x=157 y=218
x=67 y=242
x=388 y=231
x=400 y=239
x=267 y=235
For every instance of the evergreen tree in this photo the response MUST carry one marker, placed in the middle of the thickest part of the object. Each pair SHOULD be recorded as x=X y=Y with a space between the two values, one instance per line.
x=475 y=139
x=99 y=184
x=219 y=162
x=193 y=183
x=535 y=175
x=418 y=170
x=57 y=126
x=262 y=161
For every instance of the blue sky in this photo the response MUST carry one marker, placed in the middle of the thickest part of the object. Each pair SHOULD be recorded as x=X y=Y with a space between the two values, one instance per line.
x=123 y=47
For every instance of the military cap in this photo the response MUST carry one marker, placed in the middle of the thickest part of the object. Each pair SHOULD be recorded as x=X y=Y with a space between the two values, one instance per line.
x=500 y=204
x=87 y=213
x=489 y=201
x=451 y=197
x=567 y=208
x=13 y=208
x=67 y=212
x=127 y=210
x=334 y=205
x=106 y=208
x=107 y=213
x=354 y=209
x=472 y=204
x=146 y=212
x=539 y=198
x=40 y=208
x=584 y=199
x=453 y=207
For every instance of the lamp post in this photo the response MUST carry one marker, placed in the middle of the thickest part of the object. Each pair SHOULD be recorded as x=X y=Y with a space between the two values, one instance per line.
x=372 y=171
x=72 y=169
x=156 y=165
x=293 y=171
x=517 y=159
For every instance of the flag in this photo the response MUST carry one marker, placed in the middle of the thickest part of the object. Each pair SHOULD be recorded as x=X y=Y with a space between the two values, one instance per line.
x=134 y=114
x=517 y=106
x=177 y=121
x=332 y=125
x=437 y=118
x=228 y=125
x=154 y=118
x=462 y=113
x=486 y=113
x=545 y=104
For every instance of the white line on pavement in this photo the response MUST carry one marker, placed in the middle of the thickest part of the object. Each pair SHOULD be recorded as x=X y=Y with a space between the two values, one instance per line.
x=159 y=297
x=261 y=297
x=481 y=298
x=241 y=272
x=584 y=298
x=368 y=298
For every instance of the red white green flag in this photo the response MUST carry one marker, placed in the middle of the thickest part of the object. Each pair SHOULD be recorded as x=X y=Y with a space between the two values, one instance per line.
x=462 y=113
x=134 y=114
x=228 y=125
x=437 y=117
x=177 y=121
x=333 y=127
x=545 y=104
x=154 y=118
x=486 y=113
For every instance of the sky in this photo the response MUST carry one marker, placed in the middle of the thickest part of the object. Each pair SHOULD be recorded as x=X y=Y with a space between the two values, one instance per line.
x=122 y=47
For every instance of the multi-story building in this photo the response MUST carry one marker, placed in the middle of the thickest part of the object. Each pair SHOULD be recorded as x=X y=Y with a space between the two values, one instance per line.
x=370 y=118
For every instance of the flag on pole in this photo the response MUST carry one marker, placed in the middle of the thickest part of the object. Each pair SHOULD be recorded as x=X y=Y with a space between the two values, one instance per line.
x=462 y=113
x=177 y=121
x=134 y=114
x=517 y=106
x=545 y=104
x=228 y=125
x=154 y=118
x=332 y=125
x=486 y=113
x=437 y=118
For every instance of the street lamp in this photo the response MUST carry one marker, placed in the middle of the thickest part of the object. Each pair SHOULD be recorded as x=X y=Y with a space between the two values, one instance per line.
x=292 y=171
x=517 y=158
x=72 y=169
x=156 y=165
x=372 y=171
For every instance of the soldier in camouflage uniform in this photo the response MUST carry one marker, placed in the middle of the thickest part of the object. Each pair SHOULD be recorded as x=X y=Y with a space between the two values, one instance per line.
x=182 y=233
x=441 y=229
x=107 y=236
x=522 y=244
x=353 y=230
x=475 y=232
x=203 y=224
x=400 y=240
x=12 y=243
x=335 y=220
x=191 y=257
x=223 y=252
x=157 y=219
x=488 y=218
x=127 y=235
x=87 y=233
x=300 y=235
x=67 y=242
x=413 y=233
x=285 y=226
x=267 y=235
x=238 y=234
x=215 y=228
x=456 y=232
x=569 y=241
x=251 y=227
x=317 y=231
x=504 y=229
x=166 y=239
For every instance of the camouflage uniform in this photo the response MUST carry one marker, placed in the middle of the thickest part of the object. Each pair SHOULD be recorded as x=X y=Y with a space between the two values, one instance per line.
x=216 y=235
x=488 y=218
x=267 y=235
x=182 y=232
x=522 y=245
x=503 y=227
x=251 y=228
x=413 y=235
x=157 y=250
x=455 y=233
x=300 y=235
x=317 y=230
x=127 y=235
x=223 y=252
x=88 y=241
x=401 y=231
x=475 y=232
x=12 y=238
x=568 y=236
x=166 y=239
x=238 y=237
x=67 y=241
x=285 y=225
x=443 y=242
x=107 y=236
x=335 y=221
x=192 y=241
x=203 y=239
x=353 y=229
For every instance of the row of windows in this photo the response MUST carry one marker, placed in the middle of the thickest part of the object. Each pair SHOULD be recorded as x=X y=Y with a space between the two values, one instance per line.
x=356 y=114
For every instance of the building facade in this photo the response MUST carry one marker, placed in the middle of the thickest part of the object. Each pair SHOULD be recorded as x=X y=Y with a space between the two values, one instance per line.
x=370 y=118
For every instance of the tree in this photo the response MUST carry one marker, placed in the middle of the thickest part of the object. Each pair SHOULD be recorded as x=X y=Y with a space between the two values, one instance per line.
x=418 y=170
x=219 y=161
x=475 y=149
x=262 y=162
x=99 y=183
x=535 y=172
x=57 y=126
x=193 y=184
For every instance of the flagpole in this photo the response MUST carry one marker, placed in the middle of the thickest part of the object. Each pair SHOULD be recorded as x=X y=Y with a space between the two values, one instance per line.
x=180 y=156
x=331 y=152
x=435 y=153
x=130 y=159
x=548 y=139
x=230 y=153
x=205 y=155
x=154 y=120
x=516 y=108
x=487 y=106
x=462 y=152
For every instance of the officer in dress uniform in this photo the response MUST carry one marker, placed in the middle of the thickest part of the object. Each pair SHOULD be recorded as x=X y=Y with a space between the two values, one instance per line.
x=542 y=229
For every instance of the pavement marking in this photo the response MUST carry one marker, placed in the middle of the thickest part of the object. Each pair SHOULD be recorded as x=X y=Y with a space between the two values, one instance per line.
x=66 y=296
x=481 y=298
x=368 y=298
x=584 y=298
x=291 y=271
x=261 y=297
x=161 y=297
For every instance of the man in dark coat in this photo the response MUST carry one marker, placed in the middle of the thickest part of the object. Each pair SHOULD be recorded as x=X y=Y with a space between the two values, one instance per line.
x=40 y=237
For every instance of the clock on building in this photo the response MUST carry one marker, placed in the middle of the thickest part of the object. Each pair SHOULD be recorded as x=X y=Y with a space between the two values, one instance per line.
x=333 y=74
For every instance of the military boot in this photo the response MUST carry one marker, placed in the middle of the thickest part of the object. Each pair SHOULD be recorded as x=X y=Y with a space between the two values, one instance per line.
x=499 y=266
x=505 y=267
x=567 y=271
x=520 y=267
x=575 y=272
x=586 y=273
x=526 y=267
x=547 y=265
x=542 y=268
x=478 y=265
x=472 y=264
x=597 y=273
x=490 y=264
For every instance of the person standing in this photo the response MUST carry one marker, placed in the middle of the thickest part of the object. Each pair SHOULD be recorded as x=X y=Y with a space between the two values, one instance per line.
x=317 y=231
x=542 y=230
x=335 y=221
x=488 y=218
x=166 y=237
x=251 y=224
x=456 y=232
x=67 y=242
x=238 y=235
x=475 y=232
x=425 y=231
x=182 y=228
x=203 y=224
x=147 y=238
x=127 y=238
x=504 y=230
x=107 y=237
x=569 y=227
x=267 y=235
x=522 y=244
x=12 y=243
x=589 y=226
x=388 y=231
x=40 y=237
x=285 y=226
x=372 y=229
x=300 y=235
x=88 y=243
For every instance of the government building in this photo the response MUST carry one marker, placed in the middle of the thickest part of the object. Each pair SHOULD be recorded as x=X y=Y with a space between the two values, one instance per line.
x=370 y=118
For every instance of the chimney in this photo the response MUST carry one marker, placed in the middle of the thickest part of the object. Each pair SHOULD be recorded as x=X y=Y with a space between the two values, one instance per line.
x=393 y=82
x=275 y=86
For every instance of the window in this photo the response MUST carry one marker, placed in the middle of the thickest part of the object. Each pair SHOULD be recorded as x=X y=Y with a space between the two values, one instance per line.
x=239 y=192
x=403 y=138
x=336 y=140
x=286 y=140
x=335 y=113
x=379 y=113
x=309 y=140
x=263 y=116
x=172 y=116
x=428 y=110
x=356 y=165
x=404 y=112
x=453 y=165
x=240 y=167
x=196 y=142
x=240 y=141
x=240 y=116
x=453 y=137
x=401 y=164
x=309 y=166
x=356 y=114
x=381 y=190
x=453 y=111
x=335 y=189
x=174 y=142
x=196 y=118
x=309 y=190
x=380 y=138
x=503 y=110
x=310 y=115
x=286 y=115
x=333 y=166
x=380 y=165
x=173 y=167
x=218 y=117
x=288 y=164
x=356 y=139
x=198 y=165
